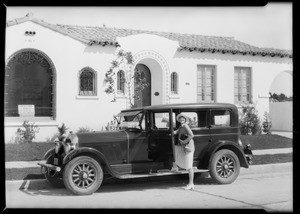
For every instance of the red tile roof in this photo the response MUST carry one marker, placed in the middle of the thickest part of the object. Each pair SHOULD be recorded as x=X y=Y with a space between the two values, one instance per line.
x=107 y=36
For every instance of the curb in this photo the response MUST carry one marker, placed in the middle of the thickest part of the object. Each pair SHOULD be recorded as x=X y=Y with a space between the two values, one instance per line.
x=267 y=168
x=39 y=184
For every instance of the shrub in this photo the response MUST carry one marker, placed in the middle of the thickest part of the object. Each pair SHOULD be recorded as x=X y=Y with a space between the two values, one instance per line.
x=27 y=135
x=112 y=125
x=62 y=129
x=84 y=130
x=267 y=123
x=249 y=120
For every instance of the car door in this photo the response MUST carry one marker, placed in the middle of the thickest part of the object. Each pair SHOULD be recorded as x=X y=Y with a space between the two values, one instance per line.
x=198 y=123
x=160 y=136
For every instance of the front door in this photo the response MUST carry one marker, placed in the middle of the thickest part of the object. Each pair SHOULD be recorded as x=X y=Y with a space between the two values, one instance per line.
x=142 y=95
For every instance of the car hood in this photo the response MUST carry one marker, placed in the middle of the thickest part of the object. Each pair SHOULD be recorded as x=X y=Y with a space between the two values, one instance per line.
x=101 y=137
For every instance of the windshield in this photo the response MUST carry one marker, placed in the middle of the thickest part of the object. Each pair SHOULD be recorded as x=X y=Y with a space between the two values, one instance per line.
x=132 y=121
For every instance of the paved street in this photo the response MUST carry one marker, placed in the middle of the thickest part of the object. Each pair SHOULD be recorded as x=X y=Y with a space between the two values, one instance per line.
x=257 y=189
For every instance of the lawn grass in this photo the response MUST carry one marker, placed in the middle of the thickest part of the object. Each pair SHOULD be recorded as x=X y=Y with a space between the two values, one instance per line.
x=269 y=159
x=267 y=141
x=26 y=152
x=36 y=151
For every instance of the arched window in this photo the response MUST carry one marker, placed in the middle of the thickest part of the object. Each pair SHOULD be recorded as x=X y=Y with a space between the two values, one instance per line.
x=87 y=82
x=174 y=83
x=30 y=85
x=120 y=82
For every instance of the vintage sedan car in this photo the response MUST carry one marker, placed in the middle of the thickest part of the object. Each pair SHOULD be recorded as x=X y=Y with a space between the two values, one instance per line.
x=143 y=146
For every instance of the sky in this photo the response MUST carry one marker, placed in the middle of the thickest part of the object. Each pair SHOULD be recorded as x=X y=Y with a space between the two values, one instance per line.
x=268 y=26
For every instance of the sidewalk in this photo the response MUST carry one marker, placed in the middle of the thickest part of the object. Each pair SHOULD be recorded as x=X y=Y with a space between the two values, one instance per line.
x=33 y=164
x=268 y=168
x=284 y=134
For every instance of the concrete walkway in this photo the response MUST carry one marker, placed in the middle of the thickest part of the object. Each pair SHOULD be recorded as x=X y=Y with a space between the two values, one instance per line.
x=284 y=134
x=272 y=151
x=33 y=164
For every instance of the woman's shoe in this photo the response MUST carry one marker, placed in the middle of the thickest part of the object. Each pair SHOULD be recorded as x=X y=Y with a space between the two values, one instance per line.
x=189 y=187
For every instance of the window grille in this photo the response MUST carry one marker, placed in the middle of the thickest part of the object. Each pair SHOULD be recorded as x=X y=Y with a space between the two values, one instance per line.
x=30 y=80
x=120 y=82
x=242 y=84
x=205 y=83
x=174 y=83
x=87 y=81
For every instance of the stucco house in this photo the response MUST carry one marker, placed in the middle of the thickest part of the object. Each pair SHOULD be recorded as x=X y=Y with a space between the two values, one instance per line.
x=55 y=73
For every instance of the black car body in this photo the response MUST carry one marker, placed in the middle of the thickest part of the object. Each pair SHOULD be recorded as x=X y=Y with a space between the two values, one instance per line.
x=144 y=144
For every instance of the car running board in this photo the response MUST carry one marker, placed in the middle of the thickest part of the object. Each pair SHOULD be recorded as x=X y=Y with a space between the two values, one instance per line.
x=161 y=172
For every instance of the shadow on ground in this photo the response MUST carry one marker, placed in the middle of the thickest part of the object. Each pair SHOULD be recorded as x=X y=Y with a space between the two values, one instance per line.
x=111 y=185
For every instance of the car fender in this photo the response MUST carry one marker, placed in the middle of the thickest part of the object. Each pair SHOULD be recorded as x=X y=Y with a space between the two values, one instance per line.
x=49 y=153
x=206 y=161
x=94 y=154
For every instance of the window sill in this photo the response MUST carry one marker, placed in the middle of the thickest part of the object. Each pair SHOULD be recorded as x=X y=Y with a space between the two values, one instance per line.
x=39 y=121
x=78 y=97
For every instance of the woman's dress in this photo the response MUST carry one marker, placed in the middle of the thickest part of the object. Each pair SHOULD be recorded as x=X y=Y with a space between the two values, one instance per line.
x=185 y=159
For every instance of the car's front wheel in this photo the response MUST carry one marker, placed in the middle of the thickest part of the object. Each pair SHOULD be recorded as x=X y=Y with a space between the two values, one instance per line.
x=83 y=175
x=224 y=167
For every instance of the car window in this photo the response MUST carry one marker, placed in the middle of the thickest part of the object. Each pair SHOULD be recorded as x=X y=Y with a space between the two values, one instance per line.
x=161 y=120
x=193 y=119
x=220 y=118
x=133 y=121
x=196 y=119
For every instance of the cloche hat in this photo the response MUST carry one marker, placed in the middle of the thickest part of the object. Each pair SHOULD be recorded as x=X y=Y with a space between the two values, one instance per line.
x=184 y=116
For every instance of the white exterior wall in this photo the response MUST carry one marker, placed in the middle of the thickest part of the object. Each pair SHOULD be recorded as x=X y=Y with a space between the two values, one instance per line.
x=69 y=56
x=282 y=116
x=264 y=70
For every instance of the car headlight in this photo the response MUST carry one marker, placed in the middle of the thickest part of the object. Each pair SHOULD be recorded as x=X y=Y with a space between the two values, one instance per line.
x=71 y=142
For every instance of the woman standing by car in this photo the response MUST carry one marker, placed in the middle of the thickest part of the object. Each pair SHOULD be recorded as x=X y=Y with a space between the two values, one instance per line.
x=184 y=150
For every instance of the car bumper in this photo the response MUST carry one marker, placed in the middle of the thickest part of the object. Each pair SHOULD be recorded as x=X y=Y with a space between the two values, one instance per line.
x=45 y=167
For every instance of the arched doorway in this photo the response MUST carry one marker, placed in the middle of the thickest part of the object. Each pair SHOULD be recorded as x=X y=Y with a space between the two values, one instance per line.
x=281 y=104
x=283 y=83
x=142 y=97
x=29 y=80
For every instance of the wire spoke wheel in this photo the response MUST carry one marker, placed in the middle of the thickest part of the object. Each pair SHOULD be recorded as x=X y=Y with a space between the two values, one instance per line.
x=83 y=175
x=224 y=167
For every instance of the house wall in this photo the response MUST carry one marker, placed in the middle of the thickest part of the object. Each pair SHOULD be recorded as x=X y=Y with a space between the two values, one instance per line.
x=281 y=114
x=264 y=70
x=69 y=56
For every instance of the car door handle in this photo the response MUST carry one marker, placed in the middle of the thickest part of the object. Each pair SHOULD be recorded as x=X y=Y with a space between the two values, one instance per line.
x=169 y=135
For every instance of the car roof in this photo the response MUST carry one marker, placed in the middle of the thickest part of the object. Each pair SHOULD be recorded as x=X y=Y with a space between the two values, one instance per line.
x=184 y=105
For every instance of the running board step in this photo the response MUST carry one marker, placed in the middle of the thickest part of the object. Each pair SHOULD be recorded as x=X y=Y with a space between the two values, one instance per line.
x=161 y=172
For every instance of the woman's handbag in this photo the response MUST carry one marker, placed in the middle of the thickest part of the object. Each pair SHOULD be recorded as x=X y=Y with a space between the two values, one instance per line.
x=187 y=147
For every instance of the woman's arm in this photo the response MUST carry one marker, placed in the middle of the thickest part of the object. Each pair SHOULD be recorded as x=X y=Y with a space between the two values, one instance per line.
x=190 y=134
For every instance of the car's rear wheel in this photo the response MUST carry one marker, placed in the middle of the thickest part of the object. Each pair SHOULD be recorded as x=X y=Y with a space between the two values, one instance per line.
x=53 y=177
x=83 y=175
x=224 y=167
